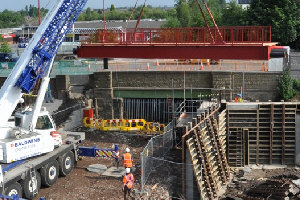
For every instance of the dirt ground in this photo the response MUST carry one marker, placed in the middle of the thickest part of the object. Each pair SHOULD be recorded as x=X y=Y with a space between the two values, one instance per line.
x=82 y=184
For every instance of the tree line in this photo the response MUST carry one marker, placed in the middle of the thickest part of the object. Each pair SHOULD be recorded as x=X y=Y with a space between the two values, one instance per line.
x=149 y=12
x=12 y=19
x=283 y=16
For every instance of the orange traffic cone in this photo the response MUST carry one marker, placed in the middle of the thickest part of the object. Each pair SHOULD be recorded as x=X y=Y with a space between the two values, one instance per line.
x=156 y=63
x=263 y=67
x=201 y=66
x=148 y=67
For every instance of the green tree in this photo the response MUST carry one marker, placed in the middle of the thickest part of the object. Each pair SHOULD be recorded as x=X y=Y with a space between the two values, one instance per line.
x=112 y=8
x=81 y=17
x=5 y=48
x=9 y=19
x=286 y=86
x=183 y=13
x=283 y=16
x=233 y=15
x=172 y=20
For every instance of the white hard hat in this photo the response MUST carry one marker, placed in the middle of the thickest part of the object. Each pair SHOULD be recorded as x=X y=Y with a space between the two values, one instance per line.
x=127 y=150
x=127 y=170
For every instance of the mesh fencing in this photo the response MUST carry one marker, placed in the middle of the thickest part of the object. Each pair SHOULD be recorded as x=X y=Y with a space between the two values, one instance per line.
x=171 y=169
x=156 y=148
x=89 y=66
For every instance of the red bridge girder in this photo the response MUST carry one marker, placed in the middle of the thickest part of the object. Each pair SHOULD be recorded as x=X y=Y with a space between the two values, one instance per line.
x=246 y=43
x=164 y=51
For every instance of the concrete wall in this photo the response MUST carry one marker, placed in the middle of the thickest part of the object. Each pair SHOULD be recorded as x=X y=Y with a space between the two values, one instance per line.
x=257 y=86
x=103 y=92
x=162 y=79
x=254 y=86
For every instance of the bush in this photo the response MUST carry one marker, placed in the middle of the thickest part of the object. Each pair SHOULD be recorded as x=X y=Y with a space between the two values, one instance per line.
x=5 y=48
x=288 y=87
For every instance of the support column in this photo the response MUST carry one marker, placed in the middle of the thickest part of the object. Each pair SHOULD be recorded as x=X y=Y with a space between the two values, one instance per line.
x=105 y=63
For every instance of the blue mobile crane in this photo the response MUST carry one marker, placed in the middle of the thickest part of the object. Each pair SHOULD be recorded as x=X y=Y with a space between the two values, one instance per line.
x=31 y=154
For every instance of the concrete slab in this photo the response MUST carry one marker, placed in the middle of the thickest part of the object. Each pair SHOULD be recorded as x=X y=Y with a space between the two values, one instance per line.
x=97 y=168
x=267 y=166
x=51 y=107
x=115 y=172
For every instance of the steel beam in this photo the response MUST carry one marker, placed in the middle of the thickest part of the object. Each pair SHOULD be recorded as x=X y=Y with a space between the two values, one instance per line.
x=243 y=52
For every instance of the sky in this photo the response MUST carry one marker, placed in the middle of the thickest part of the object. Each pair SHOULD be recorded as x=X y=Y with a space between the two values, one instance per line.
x=16 y=5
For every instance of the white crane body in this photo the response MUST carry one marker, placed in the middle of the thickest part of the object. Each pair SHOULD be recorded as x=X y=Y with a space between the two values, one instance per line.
x=25 y=138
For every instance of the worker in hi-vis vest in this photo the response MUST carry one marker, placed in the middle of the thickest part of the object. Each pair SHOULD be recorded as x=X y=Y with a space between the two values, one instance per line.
x=239 y=98
x=128 y=183
x=127 y=158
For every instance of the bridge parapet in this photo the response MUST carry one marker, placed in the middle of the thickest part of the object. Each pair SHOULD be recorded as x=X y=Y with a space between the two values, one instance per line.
x=236 y=35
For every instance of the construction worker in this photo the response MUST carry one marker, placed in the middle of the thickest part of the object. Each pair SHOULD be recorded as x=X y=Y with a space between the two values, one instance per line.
x=238 y=98
x=127 y=159
x=48 y=96
x=128 y=182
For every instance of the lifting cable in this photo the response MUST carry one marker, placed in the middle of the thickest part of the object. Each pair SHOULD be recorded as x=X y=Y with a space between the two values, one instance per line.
x=212 y=19
x=207 y=26
x=138 y=21
x=131 y=14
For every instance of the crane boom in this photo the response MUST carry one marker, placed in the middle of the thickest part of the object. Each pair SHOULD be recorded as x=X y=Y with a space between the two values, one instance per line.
x=38 y=56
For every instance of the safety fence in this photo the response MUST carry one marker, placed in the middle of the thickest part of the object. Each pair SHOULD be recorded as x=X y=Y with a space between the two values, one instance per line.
x=157 y=148
x=84 y=67
x=187 y=65
x=230 y=35
x=125 y=125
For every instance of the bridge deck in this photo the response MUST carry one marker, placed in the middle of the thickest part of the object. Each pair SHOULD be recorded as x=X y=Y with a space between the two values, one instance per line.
x=247 y=42
x=249 y=51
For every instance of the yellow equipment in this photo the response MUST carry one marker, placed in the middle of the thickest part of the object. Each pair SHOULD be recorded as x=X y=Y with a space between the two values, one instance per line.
x=133 y=125
x=112 y=125
x=89 y=122
x=154 y=128
x=126 y=125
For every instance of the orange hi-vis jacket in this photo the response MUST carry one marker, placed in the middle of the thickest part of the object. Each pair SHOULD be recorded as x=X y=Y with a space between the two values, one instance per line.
x=127 y=158
x=128 y=180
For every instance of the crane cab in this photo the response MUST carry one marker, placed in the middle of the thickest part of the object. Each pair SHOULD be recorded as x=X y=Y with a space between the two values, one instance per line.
x=45 y=124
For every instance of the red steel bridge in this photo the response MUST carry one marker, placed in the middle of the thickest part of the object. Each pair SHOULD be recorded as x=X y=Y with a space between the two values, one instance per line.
x=243 y=43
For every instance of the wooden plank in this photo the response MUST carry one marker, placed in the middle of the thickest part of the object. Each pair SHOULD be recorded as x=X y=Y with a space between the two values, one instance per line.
x=271 y=131
x=283 y=134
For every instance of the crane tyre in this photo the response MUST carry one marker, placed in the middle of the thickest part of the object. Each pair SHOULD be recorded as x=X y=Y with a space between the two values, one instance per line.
x=13 y=189
x=30 y=185
x=49 y=173
x=66 y=163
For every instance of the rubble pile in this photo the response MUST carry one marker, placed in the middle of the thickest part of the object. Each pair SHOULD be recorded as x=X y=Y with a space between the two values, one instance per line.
x=264 y=184
x=152 y=192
